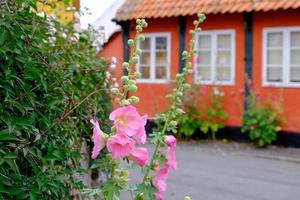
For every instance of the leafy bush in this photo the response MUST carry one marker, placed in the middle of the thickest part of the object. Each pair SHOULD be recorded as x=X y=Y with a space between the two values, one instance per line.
x=204 y=111
x=262 y=119
x=51 y=83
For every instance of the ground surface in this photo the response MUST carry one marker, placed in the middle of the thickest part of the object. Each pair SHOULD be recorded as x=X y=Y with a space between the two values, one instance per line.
x=233 y=171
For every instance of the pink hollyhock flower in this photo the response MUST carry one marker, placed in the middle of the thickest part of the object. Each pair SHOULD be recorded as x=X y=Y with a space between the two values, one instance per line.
x=203 y=90
x=160 y=181
x=141 y=135
x=198 y=59
x=120 y=145
x=258 y=96
x=127 y=120
x=242 y=91
x=170 y=140
x=139 y=156
x=275 y=99
x=98 y=138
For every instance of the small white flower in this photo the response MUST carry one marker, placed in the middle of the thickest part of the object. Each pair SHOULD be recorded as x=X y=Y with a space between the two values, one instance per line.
x=113 y=66
x=64 y=35
x=114 y=60
x=116 y=85
x=52 y=40
x=107 y=74
x=41 y=14
x=217 y=92
x=76 y=35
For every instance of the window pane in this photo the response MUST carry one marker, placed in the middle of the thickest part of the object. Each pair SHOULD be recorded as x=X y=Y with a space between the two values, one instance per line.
x=161 y=43
x=204 y=41
x=274 y=39
x=295 y=57
x=224 y=41
x=223 y=58
x=223 y=73
x=161 y=58
x=145 y=71
x=295 y=74
x=295 y=39
x=145 y=44
x=160 y=72
x=274 y=74
x=274 y=57
x=203 y=73
x=204 y=57
x=145 y=58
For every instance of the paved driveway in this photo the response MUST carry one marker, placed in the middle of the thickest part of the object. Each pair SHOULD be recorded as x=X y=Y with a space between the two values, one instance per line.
x=218 y=171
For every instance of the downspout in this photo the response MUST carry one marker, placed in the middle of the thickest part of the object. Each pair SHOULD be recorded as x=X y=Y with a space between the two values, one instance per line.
x=125 y=25
x=248 y=26
x=181 y=32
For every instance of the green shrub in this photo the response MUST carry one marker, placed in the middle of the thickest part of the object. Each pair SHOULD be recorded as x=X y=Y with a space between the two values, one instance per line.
x=262 y=119
x=204 y=111
x=50 y=86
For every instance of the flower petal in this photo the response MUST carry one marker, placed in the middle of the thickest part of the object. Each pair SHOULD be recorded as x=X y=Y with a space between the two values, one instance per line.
x=98 y=139
x=139 y=156
x=120 y=145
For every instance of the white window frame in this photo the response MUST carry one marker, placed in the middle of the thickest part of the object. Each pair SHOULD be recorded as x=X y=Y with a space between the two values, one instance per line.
x=152 y=66
x=286 y=33
x=213 y=58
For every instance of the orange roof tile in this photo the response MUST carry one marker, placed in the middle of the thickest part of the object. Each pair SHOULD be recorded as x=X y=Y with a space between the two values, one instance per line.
x=133 y=9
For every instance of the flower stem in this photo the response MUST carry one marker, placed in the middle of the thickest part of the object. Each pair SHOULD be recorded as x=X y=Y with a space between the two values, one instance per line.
x=157 y=146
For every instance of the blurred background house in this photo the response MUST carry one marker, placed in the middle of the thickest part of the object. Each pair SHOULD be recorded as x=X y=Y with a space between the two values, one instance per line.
x=259 y=38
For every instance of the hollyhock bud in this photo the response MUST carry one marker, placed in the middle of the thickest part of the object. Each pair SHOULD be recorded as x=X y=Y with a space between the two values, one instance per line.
x=124 y=79
x=98 y=138
x=132 y=88
x=124 y=102
x=133 y=99
x=137 y=75
x=138 y=28
x=170 y=141
x=130 y=42
x=134 y=60
x=114 y=91
x=139 y=52
x=192 y=32
x=185 y=54
x=125 y=65
x=141 y=37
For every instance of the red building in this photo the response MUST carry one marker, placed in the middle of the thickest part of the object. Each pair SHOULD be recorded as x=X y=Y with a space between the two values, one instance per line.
x=260 y=38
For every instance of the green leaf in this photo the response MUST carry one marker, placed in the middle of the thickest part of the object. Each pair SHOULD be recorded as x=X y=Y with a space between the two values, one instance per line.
x=6 y=136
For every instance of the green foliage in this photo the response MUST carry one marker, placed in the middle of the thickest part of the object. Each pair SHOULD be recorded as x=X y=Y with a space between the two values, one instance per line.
x=203 y=113
x=189 y=122
x=262 y=120
x=214 y=116
x=50 y=85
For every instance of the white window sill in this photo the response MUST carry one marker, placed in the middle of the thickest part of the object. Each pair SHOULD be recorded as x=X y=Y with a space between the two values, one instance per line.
x=153 y=81
x=282 y=85
x=224 y=83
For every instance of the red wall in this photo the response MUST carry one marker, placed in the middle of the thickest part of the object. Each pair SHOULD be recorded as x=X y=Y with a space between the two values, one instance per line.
x=291 y=96
x=232 y=103
x=152 y=96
